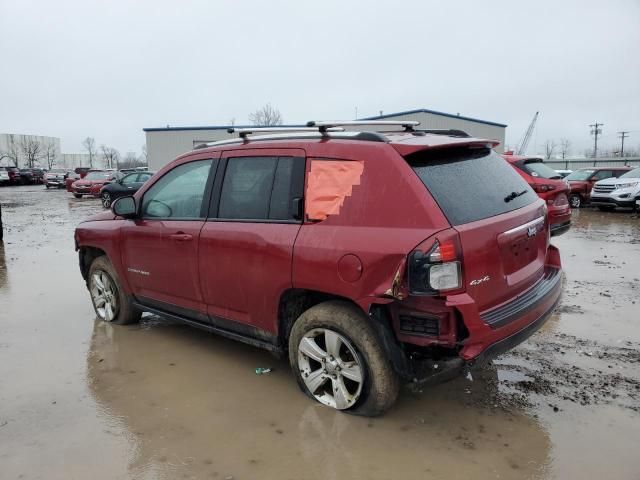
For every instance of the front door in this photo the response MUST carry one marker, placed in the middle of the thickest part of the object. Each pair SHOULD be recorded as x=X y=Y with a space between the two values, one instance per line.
x=160 y=248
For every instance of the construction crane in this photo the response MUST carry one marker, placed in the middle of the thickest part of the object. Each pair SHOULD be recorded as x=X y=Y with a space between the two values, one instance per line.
x=522 y=146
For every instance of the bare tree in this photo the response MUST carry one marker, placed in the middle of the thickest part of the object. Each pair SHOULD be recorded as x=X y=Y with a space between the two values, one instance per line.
x=130 y=160
x=145 y=155
x=549 y=148
x=50 y=153
x=110 y=155
x=12 y=152
x=266 y=116
x=89 y=145
x=565 y=147
x=32 y=150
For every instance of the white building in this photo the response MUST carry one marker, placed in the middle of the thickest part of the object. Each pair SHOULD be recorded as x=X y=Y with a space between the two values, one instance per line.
x=12 y=149
x=165 y=144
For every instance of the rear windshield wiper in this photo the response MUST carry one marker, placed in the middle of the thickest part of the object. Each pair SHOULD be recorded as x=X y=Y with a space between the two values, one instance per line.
x=514 y=195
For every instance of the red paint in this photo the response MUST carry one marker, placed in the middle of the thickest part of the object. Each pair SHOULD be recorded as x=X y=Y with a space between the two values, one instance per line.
x=86 y=186
x=240 y=270
x=547 y=189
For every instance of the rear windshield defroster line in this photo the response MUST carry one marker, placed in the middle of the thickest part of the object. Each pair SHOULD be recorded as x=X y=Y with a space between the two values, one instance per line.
x=471 y=184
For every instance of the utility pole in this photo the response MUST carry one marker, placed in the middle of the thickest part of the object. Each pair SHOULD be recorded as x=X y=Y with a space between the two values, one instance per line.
x=595 y=131
x=622 y=136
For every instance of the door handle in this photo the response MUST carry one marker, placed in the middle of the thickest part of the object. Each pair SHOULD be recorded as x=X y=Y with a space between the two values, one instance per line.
x=181 y=237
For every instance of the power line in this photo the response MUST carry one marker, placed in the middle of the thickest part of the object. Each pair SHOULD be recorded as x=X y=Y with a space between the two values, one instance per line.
x=595 y=131
x=622 y=136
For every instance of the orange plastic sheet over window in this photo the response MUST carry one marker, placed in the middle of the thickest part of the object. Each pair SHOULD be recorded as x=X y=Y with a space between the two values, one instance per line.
x=328 y=184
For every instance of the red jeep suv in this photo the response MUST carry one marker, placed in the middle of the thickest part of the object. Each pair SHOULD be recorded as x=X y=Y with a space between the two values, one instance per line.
x=371 y=258
x=550 y=186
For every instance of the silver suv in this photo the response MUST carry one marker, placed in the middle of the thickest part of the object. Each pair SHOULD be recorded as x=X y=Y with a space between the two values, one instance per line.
x=617 y=192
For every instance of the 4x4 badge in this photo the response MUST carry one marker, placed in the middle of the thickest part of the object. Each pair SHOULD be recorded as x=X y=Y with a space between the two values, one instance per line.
x=486 y=278
x=531 y=231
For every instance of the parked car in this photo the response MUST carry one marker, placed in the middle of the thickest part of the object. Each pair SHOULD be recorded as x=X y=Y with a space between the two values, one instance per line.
x=14 y=175
x=619 y=192
x=564 y=173
x=54 y=178
x=549 y=185
x=93 y=182
x=127 y=185
x=27 y=176
x=347 y=250
x=82 y=171
x=70 y=177
x=4 y=176
x=581 y=182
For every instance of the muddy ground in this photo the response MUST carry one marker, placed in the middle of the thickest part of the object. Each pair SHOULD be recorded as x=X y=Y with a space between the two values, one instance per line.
x=81 y=399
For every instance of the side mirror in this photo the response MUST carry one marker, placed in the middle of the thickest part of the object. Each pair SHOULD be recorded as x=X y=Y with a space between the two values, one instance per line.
x=124 y=207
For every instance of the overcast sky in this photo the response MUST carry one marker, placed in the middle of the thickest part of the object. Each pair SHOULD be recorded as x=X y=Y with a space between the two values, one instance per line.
x=74 y=69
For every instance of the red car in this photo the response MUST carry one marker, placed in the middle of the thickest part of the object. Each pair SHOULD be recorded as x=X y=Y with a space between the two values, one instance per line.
x=550 y=186
x=93 y=182
x=353 y=252
x=581 y=182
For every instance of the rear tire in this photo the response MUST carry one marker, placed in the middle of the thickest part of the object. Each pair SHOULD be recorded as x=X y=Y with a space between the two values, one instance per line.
x=575 y=201
x=348 y=368
x=604 y=208
x=77 y=195
x=109 y=300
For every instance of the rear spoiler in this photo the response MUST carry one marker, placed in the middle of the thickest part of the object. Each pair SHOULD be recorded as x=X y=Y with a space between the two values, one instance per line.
x=408 y=148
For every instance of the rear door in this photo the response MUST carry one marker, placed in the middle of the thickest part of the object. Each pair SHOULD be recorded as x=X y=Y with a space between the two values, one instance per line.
x=499 y=218
x=246 y=244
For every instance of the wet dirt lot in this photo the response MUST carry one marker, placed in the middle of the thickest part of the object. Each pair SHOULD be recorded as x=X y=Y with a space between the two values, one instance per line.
x=83 y=399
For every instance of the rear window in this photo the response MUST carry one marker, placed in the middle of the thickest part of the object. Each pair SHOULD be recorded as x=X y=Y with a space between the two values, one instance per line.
x=536 y=168
x=635 y=173
x=580 y=174
x=471 y=184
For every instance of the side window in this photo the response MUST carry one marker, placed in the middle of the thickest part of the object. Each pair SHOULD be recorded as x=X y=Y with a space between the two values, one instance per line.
x=143 y=177
x=179 y=193
x=617 y=173
x=261 y=188
x=602 y=174
x=130 y=179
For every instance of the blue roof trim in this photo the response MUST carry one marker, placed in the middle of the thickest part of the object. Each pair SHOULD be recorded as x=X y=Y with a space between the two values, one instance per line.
x=211 y=127
x=434 y=112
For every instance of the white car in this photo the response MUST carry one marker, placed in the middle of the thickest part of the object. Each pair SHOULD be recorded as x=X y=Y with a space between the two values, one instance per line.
x=4 y=176
x=619 y=192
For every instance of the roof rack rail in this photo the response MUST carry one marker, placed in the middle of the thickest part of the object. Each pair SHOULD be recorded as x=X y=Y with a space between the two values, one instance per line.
x=244 y=132
x=324 y=126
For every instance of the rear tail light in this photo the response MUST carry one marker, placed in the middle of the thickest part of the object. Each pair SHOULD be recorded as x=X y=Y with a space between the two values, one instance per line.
x=437 y=270
x=542 y=188
x=561 y=200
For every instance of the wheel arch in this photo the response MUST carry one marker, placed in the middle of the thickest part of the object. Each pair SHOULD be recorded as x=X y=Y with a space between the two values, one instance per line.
x=294 y=302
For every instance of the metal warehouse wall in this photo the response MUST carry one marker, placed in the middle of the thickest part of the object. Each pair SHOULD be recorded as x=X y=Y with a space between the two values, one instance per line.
x=476 y=129
x=575 y=163
x=165 y=144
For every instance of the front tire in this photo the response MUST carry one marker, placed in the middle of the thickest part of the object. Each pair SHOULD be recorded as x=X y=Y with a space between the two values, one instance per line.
x=107 y=296
x=77 y=195
x=339 y=361
x=604 y=208
x=575 y=201
x=105 y=197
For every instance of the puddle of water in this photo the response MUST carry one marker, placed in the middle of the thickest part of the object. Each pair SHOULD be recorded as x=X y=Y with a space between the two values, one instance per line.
x=82 y=399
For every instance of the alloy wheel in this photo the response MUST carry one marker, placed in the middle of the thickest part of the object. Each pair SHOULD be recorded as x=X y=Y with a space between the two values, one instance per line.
x=574 y=201
x=330 y=368
x=104 y=295
x=106 y=200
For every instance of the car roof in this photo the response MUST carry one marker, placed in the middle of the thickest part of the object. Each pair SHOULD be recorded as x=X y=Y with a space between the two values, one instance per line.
x=404 y=142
